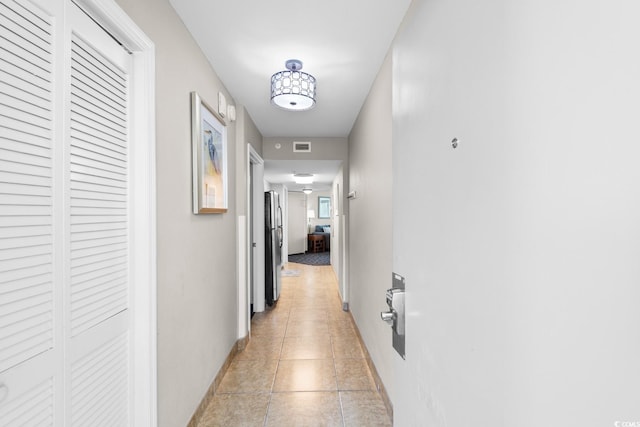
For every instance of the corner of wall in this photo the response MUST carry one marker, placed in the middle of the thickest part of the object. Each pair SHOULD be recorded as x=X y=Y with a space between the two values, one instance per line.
x=369 y=173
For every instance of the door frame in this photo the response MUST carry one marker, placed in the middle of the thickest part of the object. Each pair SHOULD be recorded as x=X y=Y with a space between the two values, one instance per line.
x=255 y=233
x=114 y=20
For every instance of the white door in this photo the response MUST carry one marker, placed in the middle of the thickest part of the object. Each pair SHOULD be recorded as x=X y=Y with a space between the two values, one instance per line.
x=65 y=220
x=29 y=307
x=443 y=230
x=98 y=228
x=519 y=247
x=297 y=223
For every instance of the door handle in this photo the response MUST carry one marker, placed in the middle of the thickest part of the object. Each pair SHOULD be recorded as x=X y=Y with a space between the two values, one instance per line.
x=388 y=317
x=395 y=315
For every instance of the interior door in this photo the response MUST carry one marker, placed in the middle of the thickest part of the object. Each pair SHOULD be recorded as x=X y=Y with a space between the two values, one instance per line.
x=449 y=224
x=98 y=226
x=29 y=289
x=297 y=223
x=64 y=219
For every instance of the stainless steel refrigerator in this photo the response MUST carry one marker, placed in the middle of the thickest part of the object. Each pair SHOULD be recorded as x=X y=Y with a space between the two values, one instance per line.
x=273 y=246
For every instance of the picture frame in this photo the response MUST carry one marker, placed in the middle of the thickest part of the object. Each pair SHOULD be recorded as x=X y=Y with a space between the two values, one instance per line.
x=324 y=207
x=209 y=158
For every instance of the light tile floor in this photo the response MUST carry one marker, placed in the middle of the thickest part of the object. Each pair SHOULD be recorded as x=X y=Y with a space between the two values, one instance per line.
x=303 y=366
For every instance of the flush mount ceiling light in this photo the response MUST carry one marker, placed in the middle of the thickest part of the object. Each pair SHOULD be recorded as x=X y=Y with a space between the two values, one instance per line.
x=292 y=89
x=303 y=178
x=307 y=190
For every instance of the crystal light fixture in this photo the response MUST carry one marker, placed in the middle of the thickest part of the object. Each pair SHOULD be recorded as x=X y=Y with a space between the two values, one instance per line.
x=292 y=89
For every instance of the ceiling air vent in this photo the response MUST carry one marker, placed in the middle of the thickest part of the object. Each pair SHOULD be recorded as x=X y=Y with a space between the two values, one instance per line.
x=301 y=147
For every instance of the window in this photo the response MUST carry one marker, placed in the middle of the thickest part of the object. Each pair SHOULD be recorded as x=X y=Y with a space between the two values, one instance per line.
x=324 y=207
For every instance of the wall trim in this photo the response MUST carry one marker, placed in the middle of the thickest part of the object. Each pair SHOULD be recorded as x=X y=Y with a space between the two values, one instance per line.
x=374 y=372
x=238 y=346
x=255 y=220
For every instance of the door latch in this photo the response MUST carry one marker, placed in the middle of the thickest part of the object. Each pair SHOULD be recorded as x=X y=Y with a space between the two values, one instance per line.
x=395 y=316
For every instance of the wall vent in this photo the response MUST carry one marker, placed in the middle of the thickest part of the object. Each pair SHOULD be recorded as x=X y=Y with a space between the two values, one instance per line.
x=301 y=147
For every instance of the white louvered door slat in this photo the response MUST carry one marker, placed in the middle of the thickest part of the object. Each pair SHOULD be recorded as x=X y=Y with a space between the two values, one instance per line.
x=32 y=408
x=106 y=365
x=20 y=196
x=26 y=215
x=14 y=87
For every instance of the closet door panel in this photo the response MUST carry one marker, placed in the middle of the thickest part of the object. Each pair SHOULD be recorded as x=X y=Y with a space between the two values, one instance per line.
x=26 y=205
x=98 y=380
x=98 y=227
x=29 y=394
x=98 y=187
x=27 y=243
x=64 y=219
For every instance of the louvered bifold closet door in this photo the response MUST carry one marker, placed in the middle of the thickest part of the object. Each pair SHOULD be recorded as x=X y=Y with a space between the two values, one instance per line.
x=99 y=223
x=64 y=219
x=26 y=216
x=99 y=227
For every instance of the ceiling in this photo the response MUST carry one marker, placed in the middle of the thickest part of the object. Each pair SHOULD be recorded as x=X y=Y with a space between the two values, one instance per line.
x=323 y=171
x=341 y=42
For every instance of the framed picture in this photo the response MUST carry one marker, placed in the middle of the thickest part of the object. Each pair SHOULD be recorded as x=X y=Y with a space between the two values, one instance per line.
x=324 y=207
x=209 y=151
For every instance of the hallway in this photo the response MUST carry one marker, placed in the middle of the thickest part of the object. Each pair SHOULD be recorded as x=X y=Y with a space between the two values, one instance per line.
x=304 y=365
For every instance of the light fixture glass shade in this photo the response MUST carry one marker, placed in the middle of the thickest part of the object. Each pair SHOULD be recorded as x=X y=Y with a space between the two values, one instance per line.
x=292 y=89
x=307 y=190
x=303 y=178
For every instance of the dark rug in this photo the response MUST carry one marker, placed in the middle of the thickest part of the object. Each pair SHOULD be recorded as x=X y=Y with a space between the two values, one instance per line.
x=320 y=258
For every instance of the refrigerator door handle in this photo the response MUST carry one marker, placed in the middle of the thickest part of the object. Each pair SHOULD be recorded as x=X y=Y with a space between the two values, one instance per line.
x=280 y=230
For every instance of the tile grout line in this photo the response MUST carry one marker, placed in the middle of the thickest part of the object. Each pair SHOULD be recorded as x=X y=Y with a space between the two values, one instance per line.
x=335 y=369
x=273 y=382
x=266 y=414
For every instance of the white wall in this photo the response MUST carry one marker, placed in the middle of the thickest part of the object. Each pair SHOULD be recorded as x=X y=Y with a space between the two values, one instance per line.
x=521 y=256
x=370 y=221
x=197 y=310
x=246 y=133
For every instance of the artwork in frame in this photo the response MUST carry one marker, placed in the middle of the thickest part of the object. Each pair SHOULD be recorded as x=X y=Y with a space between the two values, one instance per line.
x=209 y=151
